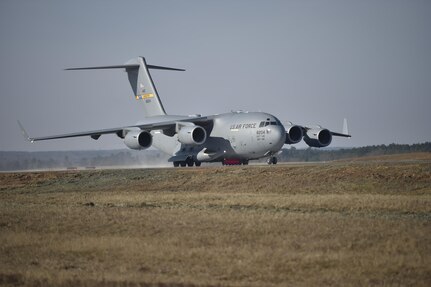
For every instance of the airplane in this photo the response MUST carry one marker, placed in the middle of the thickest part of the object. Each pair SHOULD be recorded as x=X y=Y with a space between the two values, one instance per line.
x=230 y=138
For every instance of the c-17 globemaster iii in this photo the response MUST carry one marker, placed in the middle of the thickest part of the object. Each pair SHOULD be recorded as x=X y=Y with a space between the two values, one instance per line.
x=230 y=138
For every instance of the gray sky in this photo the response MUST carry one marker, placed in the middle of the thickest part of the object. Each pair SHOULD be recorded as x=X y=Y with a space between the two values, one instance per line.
x=310 y=62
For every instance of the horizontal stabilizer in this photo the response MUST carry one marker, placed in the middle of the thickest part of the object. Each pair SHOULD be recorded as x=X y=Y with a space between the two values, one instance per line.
x=104 y=67
x=130 y=66
x=163 y=68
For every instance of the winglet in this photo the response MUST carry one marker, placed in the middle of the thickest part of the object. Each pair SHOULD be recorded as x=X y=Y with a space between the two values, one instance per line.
x=345 y=128
x=344 y=133
x=24 y=133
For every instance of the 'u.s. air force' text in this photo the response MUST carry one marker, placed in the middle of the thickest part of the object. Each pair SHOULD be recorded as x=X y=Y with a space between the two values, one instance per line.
x=243 y=126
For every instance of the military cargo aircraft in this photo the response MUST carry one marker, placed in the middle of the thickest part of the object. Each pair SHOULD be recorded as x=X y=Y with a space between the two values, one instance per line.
x=230 y=138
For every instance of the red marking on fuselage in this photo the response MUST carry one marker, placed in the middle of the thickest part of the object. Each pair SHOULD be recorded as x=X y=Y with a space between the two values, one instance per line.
x=231 y=161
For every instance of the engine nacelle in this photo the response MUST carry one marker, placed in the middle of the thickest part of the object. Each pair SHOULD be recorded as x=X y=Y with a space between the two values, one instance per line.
x=294 y=134
x=192 y=135
x=138 y=139
x=318 y=137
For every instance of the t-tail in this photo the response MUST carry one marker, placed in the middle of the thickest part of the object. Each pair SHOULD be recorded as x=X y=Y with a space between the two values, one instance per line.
x=141 y=82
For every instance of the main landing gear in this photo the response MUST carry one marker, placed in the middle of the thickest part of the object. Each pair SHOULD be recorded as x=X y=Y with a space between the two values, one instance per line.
x=188 y=162
x=272 y=160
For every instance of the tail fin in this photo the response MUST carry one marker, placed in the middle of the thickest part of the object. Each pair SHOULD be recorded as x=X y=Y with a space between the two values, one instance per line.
x=142 y=84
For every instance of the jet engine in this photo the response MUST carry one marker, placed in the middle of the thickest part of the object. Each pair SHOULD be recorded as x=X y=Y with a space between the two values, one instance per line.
x=293 y=134
x=138 y=139
x=318 y=137
x=192 y=135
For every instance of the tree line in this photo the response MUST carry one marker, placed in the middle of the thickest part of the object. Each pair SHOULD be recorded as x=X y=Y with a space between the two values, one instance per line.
x=314 y=154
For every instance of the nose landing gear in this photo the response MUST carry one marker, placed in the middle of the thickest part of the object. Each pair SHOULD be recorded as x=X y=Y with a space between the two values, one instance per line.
x=272 y=160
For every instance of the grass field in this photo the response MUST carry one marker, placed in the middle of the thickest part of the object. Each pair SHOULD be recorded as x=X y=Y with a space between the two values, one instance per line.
x=338 y=224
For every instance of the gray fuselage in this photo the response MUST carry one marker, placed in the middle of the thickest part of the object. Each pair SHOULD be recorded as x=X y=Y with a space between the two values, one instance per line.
x=238 y=135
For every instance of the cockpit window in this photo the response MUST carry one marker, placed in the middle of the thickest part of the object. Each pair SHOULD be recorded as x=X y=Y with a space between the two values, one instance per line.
x=268 y=123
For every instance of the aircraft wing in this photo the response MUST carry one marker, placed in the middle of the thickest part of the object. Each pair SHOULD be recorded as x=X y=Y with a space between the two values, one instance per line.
x=340 y=135
x=95 y=134
x=305 y=129
x=344 y=133
x=168 y=124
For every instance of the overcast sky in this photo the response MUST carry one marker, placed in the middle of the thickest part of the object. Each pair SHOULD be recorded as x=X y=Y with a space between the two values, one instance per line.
x=310 y=62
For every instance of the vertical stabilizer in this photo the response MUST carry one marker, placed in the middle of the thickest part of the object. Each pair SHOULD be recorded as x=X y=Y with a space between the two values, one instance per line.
x=143 y=87
x=142 y=83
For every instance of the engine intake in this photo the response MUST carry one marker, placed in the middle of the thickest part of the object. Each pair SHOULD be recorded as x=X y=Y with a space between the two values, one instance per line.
x=192 y=135
x=294 y=134
x=318 y=137
x=138 y=139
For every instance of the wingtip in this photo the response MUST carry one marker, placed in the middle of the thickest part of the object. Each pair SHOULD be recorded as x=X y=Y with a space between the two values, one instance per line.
x=24 y=132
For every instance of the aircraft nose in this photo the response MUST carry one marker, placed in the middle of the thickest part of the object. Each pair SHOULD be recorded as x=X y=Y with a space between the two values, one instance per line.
x=278 y=136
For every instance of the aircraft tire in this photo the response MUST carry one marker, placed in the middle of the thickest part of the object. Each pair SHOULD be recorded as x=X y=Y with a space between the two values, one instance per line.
x=198 y=163
x=274 y=160
x=176 y=163
x=189 y=161
x=183 y=163
x=269 y=161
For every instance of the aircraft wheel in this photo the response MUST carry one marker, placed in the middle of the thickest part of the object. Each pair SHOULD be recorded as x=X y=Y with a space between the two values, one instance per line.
x=189 y=161
x=183 y=163
x=198 y=163
x=245 y=162
x=176 y=164
x=274 y=160
x=269 y=161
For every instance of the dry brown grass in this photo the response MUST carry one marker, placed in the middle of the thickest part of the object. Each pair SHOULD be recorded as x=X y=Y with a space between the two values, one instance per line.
x=342 y=224
x=418 y=156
